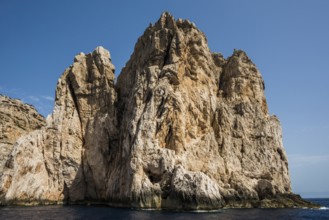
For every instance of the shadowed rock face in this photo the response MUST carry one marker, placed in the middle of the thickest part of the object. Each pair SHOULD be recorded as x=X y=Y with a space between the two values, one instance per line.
x=183 y=128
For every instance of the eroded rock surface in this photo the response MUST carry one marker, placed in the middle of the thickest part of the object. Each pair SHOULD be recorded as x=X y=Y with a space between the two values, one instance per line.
x=16 y=119
x=67 y=159
x=183 y=128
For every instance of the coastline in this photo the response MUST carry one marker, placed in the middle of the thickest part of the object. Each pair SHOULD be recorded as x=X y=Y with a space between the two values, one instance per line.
x=285 y=201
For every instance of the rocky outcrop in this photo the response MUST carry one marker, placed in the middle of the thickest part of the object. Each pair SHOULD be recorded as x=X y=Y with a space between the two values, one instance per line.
x=16 y=119
x=67 y=159
x=183 y=128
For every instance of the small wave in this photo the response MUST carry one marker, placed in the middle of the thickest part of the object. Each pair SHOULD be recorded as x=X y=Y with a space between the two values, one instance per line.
x=324 y=208
x=147 y=209
x=203 y=211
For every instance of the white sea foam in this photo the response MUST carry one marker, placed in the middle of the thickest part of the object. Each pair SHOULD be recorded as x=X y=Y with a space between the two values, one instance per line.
x=202 y=210
x=324 y=208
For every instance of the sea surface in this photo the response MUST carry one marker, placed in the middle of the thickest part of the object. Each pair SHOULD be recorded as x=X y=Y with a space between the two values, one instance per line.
x=104 y=212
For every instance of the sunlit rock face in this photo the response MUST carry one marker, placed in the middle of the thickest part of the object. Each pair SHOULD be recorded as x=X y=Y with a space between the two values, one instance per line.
x=67 y=160
x=182 y=128
x=16 y=120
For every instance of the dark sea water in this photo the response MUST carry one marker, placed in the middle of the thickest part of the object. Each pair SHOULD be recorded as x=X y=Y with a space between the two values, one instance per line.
x=103 y=212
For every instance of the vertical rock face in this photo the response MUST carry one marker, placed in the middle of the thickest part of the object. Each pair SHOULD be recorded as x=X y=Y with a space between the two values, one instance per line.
x=183 y=128
x=16 y=119
x=196 y=125
x=67 y=159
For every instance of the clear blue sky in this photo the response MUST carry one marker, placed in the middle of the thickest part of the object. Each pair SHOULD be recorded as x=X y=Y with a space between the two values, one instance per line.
x=288 y=41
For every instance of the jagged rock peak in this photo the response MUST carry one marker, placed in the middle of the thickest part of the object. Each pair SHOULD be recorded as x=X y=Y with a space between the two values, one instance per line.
x=186 y=112
x=67 y=160
x=166 y=20
x=102 y=52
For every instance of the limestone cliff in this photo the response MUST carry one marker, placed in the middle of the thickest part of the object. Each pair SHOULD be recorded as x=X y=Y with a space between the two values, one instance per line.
x=66 y=160
x=183 y=128
x=16 y=119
